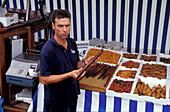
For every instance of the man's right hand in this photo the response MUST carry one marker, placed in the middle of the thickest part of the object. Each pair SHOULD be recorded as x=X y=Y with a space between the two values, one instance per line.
x=75 y=73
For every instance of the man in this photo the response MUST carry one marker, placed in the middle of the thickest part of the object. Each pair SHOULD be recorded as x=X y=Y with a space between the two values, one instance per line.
x=60 y=65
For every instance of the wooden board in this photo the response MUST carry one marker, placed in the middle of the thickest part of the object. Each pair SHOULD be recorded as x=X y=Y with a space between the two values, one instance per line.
x=95 y=84
x=16 y=106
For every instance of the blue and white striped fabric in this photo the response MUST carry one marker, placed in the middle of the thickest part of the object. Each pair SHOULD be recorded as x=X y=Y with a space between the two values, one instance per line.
x=89 y=101
x=142 y=25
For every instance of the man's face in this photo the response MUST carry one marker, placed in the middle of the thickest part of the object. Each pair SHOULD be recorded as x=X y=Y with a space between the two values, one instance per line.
x=61 y=27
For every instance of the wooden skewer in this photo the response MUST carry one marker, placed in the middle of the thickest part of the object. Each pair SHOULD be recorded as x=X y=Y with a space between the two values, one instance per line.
x=88 y=65
x=94 y=70
x=98 y=70
x=110 y=72
x=107 y=73
x=104 y=71
x=90 y=70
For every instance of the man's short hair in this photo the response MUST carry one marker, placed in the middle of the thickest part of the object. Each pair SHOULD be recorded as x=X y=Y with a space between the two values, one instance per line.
x=60 y=13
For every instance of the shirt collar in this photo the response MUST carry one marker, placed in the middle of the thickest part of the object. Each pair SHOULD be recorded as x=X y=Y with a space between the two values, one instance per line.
x=54 y=41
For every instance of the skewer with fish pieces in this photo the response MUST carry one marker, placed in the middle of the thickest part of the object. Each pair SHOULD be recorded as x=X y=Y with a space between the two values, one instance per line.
x=110 y=72
x=88 y=65
x=105 y=71
x=98 y=70
x=94 y=70
x=102 y=70
x=91 y=70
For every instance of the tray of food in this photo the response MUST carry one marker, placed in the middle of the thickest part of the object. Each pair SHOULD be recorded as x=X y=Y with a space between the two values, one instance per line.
x=168 y=91
x=108 y=56
x=126 y=73
x=9 y=19
x=130 y=55
x=120 y=87
x=114 y=45
x=148 y=58
x=163 y=58
x=152 y=85
x=153 y=69
x=149 y=82
x=151 y=90
x=131 y=63
x=122 y=82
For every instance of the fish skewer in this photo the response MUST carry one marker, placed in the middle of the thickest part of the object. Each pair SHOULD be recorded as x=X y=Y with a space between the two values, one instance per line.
x=88 y=65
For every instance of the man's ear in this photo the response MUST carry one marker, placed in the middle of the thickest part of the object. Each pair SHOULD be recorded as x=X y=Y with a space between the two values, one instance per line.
x=53 y=26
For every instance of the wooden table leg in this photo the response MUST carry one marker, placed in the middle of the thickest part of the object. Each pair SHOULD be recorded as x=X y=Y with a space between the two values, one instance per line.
x=2 y=67
x=10 y=97
x=30 y=38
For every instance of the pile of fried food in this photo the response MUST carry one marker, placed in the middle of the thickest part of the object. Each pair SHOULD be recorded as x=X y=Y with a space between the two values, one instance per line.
x=154 y=70
x=165 y=60
x=131 y=64
x=121 y=86
x=106 y=56
x=130 y=55
x=148 y=58
x=126 y=74
x=9 y=15
x=144 y=89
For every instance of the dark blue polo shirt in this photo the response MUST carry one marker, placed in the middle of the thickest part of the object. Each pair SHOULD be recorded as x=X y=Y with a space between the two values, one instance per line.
x=56 y=60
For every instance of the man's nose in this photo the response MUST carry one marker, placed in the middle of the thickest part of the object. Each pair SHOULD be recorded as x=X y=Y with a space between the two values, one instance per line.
x=64 y=28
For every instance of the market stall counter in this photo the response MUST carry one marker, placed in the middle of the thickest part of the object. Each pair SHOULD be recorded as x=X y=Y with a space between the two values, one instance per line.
x=97 y=101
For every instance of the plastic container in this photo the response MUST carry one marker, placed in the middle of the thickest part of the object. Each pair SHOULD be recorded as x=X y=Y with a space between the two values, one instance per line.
x=1 y=102
x=1 y=109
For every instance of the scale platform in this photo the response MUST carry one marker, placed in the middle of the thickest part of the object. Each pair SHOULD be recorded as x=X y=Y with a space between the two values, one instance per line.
x=19 y=70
